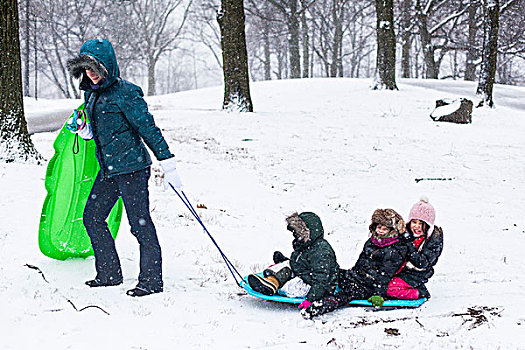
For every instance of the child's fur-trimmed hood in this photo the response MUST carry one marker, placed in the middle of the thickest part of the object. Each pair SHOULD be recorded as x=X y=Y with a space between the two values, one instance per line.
x=389 y=218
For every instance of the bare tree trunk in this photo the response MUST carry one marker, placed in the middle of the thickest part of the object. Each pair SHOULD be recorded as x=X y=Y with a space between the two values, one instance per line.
x=235 y=57
x=290 y=12
x=35 y=52
x=267 y=57
x=15 y=143
x=406 y=39
x=151 y=63
x=26 y=58
x=306 y=41
x=386 y=46
x=293 y=42
x=156 y=31
x=490 y=53
x=426 y=42
x=338 y=32
x=472 y=54
x=340 y=57
x=312 y=53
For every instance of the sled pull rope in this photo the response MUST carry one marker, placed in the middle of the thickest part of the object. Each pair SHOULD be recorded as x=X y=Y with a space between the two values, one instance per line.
x=227 y=261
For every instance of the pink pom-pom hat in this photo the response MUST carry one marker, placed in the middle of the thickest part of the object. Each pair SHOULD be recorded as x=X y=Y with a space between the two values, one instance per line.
x=423 y=211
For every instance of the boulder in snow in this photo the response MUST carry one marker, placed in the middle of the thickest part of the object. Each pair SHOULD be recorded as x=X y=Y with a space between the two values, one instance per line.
x=457 y=111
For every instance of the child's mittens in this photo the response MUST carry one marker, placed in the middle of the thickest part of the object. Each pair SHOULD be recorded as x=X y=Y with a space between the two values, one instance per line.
x=305 y=304
x=376 y=301
x=279 y=257
x=406 y=237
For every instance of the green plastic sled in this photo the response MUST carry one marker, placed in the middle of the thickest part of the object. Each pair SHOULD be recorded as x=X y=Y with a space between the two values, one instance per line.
x=69 y=178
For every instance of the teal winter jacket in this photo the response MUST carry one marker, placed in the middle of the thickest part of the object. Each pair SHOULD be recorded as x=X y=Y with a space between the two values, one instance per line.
x=119 y=117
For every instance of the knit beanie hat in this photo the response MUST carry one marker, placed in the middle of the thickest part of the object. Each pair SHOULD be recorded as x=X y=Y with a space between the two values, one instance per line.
x=423 y=211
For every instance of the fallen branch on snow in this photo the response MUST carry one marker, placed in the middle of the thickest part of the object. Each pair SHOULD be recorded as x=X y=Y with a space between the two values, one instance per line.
x=433 y=179
x=87 y=307
x=32 y=267
x=476 y=315
x=79 y=310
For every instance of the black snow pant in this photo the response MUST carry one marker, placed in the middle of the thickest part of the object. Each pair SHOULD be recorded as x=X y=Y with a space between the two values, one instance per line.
x=349 y=289
x=133 y=188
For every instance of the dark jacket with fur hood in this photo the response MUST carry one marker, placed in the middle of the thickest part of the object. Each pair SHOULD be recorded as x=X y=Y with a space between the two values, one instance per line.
x=313 y=259
x=117 y=112
x=421 y=261
x=380 y=258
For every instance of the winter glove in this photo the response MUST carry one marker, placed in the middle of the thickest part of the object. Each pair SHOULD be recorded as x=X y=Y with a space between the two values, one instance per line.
x=86 y=133
x=169 y=167
x=77 y=121
x=406 y=237
x=279 y=257
x=79 y=126
x=305 y=304
x=376 y=301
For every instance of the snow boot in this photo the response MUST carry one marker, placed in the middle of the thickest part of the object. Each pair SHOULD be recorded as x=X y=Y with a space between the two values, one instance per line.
x=423 y=292
x=97 y=282
x=281 y=271
x=274 y=278
x=141 y=291
x=264 y=285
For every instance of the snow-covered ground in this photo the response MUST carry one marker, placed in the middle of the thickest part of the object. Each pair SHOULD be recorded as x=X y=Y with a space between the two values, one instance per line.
x=331 y=146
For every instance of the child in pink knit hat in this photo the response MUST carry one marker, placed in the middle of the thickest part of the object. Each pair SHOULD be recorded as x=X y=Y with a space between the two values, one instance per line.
x=424 y=241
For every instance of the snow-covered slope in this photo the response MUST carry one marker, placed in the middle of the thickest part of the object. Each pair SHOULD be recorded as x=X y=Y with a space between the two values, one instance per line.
x=331 y=146
x=47 y=115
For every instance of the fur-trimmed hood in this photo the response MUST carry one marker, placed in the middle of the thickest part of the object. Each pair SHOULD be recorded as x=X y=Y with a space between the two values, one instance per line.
x=99 y=56
x=305 y=226
x=78 y=65
x=389 y=218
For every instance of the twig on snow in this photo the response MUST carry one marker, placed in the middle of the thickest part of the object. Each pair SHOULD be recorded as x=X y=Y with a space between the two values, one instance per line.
x=87 y=307
x=32 y=267
x=433 y=179
x=477 y=315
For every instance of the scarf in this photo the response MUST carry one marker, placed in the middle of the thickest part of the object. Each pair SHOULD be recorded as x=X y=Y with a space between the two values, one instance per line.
x=383 y=242
x=97 y=86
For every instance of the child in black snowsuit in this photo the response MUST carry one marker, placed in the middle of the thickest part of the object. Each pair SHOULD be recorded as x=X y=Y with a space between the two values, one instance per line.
x=381 y=257
x=312 y=263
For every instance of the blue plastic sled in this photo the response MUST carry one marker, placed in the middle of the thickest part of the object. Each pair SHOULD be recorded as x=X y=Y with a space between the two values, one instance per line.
x=284 y=299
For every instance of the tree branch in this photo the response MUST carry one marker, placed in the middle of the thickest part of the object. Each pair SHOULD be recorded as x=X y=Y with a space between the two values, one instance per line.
x=33 y=267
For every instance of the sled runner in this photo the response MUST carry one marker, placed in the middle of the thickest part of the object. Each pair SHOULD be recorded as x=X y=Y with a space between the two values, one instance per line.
x=69 y=178
x=284 y=299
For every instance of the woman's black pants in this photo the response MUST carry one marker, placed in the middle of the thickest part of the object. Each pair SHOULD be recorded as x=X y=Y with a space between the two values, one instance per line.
x=133 y=188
